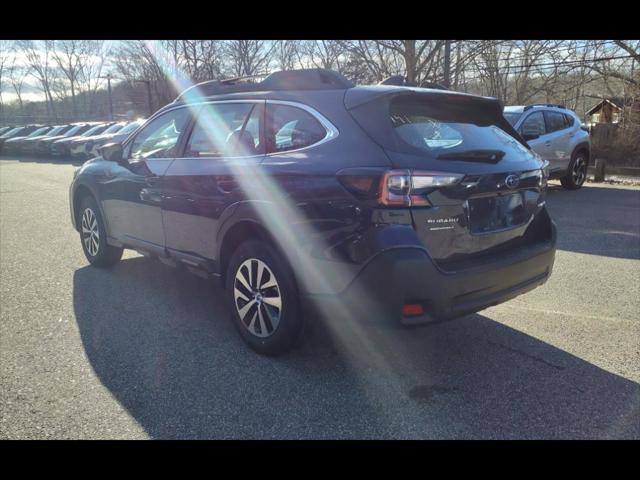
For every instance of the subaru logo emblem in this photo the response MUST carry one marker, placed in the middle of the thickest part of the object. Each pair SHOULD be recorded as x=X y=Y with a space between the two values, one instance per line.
x=512 y=181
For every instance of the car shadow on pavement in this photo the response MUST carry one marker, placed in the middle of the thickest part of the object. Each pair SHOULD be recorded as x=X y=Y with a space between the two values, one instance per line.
x=597 y=220
x=161 y=341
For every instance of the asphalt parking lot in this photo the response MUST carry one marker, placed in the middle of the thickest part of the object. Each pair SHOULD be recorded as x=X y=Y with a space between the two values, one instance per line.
x=145 y=351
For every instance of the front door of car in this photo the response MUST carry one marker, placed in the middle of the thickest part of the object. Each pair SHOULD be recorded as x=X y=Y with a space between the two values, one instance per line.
x=558 y=136
x=534 y=131
x=221 y=154
x=132 y=195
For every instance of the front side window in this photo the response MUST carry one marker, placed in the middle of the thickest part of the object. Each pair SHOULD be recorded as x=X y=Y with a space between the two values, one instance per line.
x=533 y=125
x=159 y=138
x=569 y=120
x=291 y=128
x=226 y=130
x=555 y=121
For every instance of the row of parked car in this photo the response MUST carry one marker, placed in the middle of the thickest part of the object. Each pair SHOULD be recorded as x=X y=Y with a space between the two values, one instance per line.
x=77 y=140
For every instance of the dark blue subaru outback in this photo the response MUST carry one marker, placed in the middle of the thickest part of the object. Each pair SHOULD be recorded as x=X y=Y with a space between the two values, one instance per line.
x=408 y=204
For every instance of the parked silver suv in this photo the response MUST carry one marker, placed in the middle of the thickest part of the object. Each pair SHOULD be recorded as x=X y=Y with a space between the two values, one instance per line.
x=555 y=133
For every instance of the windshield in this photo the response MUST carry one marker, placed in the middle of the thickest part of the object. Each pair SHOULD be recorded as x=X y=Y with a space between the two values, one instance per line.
x=436 y=129
x=55 y=130
x=39 y=131
x=12 y=131
x=131 y=127
x=114 y=128
x=75 y=129
x=92 y=130
x=512 y=117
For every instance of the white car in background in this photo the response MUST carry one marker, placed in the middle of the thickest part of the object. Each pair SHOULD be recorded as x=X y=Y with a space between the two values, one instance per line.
x=556 y=134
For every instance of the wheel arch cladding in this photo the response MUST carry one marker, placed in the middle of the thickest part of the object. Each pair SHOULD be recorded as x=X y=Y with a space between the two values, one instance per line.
x=233 y=238
x=82 y=191
x=583 y=147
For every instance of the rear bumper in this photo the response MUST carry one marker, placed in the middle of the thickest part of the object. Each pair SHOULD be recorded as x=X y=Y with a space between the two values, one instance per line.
x=408 y=275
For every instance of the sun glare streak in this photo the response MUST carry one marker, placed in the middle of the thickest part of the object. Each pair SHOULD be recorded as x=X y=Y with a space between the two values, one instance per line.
x=294 y=233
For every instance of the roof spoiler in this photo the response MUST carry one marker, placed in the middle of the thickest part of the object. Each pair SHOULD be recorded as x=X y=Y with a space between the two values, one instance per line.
x=401 y=81
x=491 y=108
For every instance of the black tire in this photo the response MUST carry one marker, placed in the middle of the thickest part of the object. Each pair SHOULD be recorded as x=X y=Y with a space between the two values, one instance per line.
x=577 y=172
x=104 y=255
x=281 y=335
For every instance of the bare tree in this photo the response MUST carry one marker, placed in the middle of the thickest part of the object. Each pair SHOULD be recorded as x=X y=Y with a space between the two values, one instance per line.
x=200 y=60
x=80 y=63
x=5 y=54
x=248 y=57
x=90 y=77
x=286 y=54
x=139 y=61
x=38 y=57
x=16 y=75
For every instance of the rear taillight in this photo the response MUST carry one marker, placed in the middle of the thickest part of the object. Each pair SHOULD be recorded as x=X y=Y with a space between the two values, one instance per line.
x=409 y=187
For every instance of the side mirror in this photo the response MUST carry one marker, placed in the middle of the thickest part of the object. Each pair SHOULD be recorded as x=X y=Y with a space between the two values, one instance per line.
x=112 y=152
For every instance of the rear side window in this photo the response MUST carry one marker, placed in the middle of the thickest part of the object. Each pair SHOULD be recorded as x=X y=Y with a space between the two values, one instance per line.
x=555 y=121
x=291 y=128
x=226 y=130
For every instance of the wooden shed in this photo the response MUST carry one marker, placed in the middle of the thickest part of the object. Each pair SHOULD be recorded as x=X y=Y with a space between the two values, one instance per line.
x=613 y=110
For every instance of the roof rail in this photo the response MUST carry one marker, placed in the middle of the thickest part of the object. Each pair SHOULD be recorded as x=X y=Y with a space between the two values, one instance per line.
x=544 y=105
x=305 y=79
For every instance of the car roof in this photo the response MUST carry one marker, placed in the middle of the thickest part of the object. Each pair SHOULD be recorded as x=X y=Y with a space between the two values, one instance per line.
x=540 y=106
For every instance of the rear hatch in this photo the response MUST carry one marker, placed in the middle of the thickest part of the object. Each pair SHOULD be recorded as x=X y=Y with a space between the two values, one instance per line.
x=476 y=187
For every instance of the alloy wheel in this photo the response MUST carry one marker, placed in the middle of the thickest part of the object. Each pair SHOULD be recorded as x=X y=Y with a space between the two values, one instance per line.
x=579 y=172
x=90 y=232
x=257 y=297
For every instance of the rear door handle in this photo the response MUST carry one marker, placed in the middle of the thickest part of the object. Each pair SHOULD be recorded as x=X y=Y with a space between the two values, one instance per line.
x=547 y=143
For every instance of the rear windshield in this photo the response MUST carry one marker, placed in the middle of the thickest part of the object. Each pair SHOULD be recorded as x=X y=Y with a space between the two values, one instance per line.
x=512 y=117
x=437 y=128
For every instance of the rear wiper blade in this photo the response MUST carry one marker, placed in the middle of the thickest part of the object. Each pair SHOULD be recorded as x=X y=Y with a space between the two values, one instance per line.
x=480 y=155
